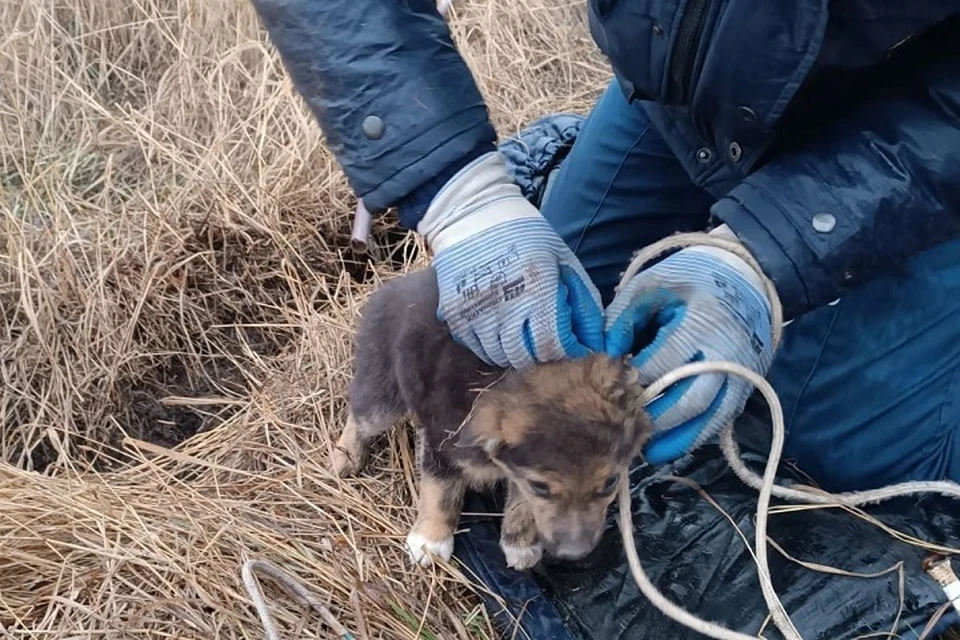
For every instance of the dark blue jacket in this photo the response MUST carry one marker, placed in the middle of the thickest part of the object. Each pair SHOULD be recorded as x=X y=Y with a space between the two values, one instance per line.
x=829 y=132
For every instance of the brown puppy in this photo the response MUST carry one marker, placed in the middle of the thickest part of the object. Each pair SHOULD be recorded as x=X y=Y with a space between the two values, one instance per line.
x=559 y=434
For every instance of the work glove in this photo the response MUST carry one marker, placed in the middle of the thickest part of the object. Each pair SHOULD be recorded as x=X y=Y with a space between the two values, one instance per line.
x=510 y=288
x=700 y=303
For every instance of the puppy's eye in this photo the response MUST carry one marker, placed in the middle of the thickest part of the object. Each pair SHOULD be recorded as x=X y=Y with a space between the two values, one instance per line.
x=539 y=489
x=611 y=484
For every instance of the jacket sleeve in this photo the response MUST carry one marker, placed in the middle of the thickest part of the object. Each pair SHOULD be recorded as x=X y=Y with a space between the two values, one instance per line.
x=395 y=100
x=877 y=187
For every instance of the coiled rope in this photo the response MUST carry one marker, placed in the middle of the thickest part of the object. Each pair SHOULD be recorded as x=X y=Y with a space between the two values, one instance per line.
x=765 y=485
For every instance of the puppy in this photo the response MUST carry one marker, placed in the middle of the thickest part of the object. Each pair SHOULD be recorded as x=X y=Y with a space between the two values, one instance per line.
x=559 y=434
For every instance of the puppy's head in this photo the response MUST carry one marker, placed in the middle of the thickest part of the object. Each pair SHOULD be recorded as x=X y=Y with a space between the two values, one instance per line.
x=563 y=433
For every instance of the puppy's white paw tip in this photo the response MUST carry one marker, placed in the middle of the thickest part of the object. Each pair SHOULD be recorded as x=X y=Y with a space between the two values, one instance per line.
x=522 y=557
x=422 y=550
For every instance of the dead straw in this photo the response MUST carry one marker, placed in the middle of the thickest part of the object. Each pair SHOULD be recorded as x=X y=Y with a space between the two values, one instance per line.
x=174 y=265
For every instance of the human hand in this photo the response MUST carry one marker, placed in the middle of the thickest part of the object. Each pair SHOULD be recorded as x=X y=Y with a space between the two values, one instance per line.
x=701 y=303
x=510 y=288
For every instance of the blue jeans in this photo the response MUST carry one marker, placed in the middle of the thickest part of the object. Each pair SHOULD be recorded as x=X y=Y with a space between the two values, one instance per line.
x=870 y=386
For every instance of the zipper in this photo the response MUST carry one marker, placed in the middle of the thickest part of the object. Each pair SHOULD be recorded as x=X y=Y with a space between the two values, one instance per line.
x=685 y=50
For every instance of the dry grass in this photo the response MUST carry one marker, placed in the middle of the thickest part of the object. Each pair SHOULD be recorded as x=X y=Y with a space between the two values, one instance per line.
x=173 y=265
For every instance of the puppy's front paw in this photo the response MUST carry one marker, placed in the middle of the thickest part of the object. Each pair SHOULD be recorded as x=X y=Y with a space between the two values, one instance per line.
x=422 y=550
x=522 y=557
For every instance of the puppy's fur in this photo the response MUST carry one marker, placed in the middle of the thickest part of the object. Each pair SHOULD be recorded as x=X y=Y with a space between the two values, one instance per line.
x=559 y=434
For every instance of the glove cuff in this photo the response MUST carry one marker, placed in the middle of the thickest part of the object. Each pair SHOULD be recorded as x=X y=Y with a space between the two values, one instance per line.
x=734 y=261
x=463 y=207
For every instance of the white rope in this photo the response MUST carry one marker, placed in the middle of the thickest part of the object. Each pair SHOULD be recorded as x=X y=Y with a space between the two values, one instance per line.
x=765 y=485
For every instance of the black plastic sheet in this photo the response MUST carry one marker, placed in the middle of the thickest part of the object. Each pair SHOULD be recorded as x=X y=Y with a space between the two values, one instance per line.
x=698 y=560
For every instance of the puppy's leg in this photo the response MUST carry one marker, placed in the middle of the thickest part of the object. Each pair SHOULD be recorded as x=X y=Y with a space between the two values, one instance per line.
x=375 y=407
x=438 y=512
x=519 y=539
x=376 y=403
x=352 y=448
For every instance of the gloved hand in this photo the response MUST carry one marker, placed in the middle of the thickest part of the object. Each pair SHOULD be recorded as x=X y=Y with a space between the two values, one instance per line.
x=510 y=288
x=701 y=303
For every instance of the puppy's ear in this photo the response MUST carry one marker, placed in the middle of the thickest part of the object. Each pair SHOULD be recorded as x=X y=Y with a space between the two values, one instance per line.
x=499 y=416
x=625 y=383
x=483 y=426
x=627 y=396
x=612 y=381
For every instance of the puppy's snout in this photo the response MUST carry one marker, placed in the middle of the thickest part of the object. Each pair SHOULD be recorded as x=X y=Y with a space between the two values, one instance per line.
x=575 y=542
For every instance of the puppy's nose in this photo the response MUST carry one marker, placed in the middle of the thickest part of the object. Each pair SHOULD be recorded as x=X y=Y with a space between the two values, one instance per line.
x=574 y=545
x=573 y=551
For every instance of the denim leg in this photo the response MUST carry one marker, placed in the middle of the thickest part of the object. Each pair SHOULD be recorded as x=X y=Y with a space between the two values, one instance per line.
x=870 y=386
x=620 y=189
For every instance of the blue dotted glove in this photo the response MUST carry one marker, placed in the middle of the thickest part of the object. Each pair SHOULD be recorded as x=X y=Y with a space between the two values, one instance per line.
x=701 y=303
x=510 y=288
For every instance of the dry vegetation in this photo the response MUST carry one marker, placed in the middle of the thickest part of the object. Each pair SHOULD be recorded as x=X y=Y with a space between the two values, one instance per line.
x=174 y=266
